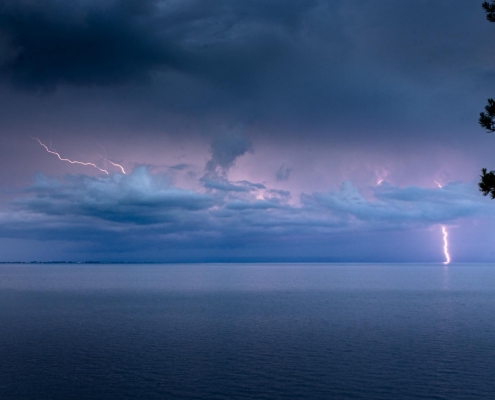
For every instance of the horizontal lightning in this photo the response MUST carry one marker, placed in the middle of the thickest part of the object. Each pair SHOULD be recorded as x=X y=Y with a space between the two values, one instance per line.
x=88 y=164
x=67 y=160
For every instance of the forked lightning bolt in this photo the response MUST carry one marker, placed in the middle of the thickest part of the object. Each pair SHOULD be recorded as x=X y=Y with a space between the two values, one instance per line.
x=117 y=165
x=445 y=238
x=88 y=164
x=446 y=246
x=111 y=162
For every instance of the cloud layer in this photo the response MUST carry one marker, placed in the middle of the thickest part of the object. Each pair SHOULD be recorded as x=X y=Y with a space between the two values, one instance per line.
x=271 y=123
x=307 y=61
x=142 y=207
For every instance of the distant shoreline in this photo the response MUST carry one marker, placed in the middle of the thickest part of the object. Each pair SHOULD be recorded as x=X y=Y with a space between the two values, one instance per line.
x=76 y=262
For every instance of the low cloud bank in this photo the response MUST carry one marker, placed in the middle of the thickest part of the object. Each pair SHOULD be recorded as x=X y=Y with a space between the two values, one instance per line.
x=149 y=204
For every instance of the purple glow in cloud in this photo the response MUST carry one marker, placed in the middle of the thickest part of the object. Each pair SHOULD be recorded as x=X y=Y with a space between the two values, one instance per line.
x=249 y=133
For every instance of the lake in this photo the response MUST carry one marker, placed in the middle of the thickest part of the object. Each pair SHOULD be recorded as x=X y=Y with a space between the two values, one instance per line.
x=247 y=331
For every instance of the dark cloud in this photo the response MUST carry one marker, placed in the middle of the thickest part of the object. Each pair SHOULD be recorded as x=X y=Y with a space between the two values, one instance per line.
x=363 y=66
x=227 y=186
x=137 y=198
x=141 y=209
x=283 y=173
x=225 y=150
x=223 y=185
x=344 y=90
x=280 y=194
x=145 y=198
x=82 y=43
x=180 y=167
x=401 y=206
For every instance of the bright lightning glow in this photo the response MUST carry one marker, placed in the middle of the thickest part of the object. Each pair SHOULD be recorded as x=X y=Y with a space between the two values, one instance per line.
x=70 y=161
x=117 y=165
x=105 y=159
x=446 y=245
x=440 y=186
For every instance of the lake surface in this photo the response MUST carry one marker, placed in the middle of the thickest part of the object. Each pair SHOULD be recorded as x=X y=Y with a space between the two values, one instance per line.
x=237 y=331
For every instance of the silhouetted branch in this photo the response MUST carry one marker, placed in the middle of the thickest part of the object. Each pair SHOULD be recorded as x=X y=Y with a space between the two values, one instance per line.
x=487 y=118
x=487 y=183
x=490 y=10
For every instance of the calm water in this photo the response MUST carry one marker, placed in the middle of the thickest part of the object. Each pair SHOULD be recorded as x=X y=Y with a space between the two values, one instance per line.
x=304 y=331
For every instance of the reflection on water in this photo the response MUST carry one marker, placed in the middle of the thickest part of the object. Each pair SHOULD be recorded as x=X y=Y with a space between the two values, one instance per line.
x=445 y=277
x=246 y=277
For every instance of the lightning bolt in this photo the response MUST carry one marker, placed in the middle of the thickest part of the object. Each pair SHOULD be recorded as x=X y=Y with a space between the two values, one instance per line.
x=70 y=161
x=117 y=165
x=105 y=159
x=446 y=245
x=445 y=238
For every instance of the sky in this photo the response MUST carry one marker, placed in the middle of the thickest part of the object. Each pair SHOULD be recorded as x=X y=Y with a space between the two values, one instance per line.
x=279 y=131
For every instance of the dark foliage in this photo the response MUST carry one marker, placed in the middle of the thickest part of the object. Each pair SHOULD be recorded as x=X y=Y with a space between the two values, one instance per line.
x=487 y=183
x=490 y=10
x=487 y=120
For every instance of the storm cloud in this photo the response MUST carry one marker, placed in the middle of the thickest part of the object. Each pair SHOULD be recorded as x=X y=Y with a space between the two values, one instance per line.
x=301 y=60
x=111 y=42
x=225 y=150
x=252 y=129
x=147 y=206
x=81 y=43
